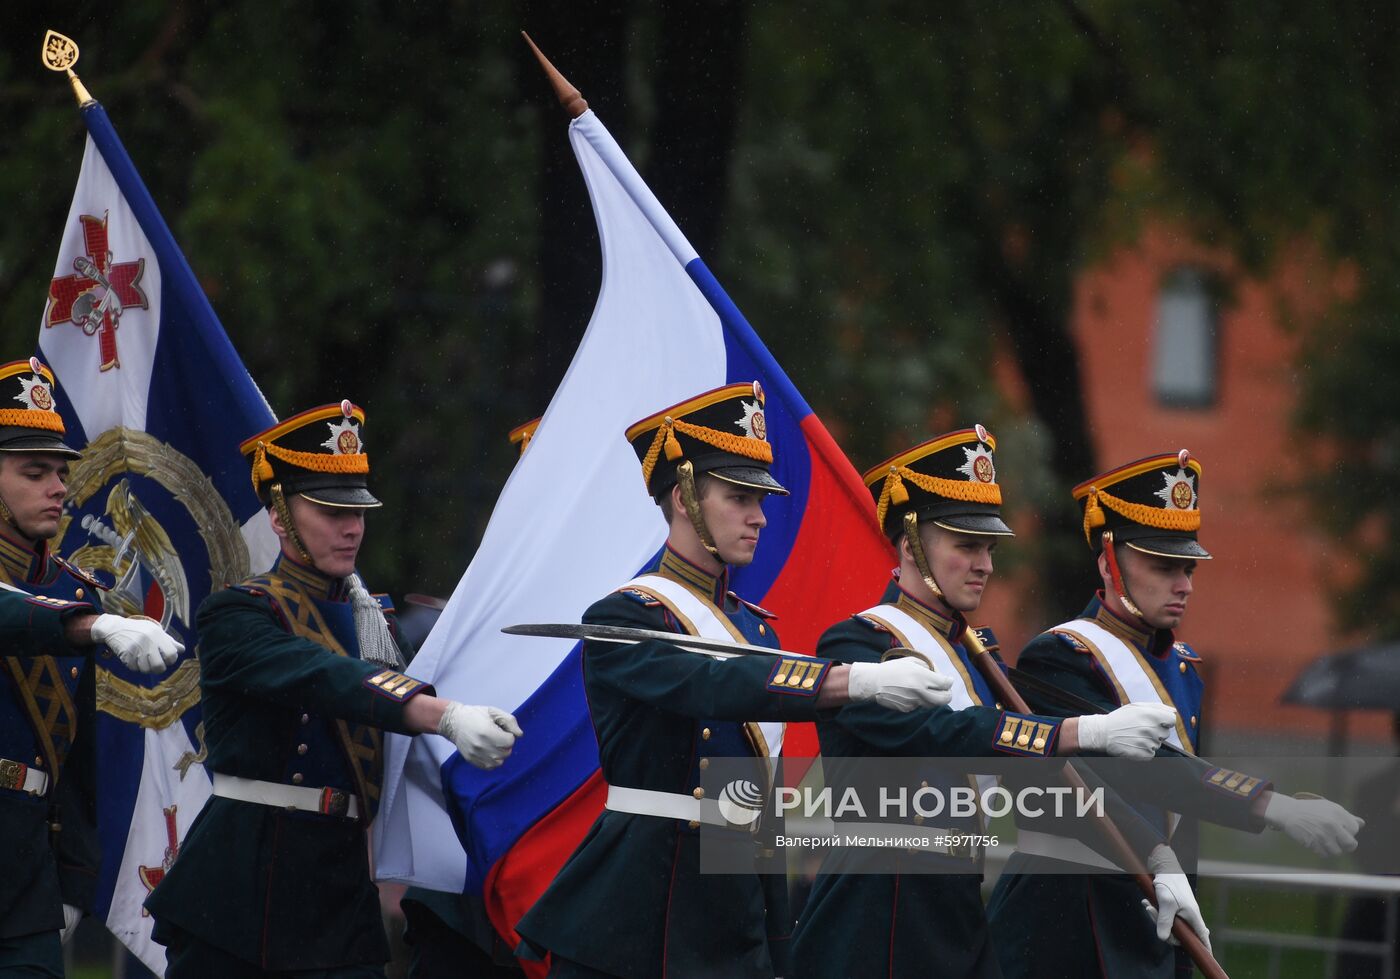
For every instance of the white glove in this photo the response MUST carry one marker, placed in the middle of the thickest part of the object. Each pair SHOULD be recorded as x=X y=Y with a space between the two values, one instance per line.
x=139 y=642
x=901 y=684
x=1132 y=731
x=484 y=735
x=1174 y=896
x=1319 y=824
x=71 y=917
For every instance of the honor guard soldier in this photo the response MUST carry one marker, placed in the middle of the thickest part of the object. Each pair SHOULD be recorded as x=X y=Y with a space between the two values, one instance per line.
x=939 y=503
x=1141 y=520
x=631 y=900
x=300 y=675
x=47 y=695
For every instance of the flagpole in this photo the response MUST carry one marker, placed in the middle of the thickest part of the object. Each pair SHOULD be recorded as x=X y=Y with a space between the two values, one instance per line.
x=60 y=53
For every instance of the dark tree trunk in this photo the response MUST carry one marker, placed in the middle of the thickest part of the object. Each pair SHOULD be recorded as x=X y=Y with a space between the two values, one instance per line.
x=697 y=77
x=588 y=44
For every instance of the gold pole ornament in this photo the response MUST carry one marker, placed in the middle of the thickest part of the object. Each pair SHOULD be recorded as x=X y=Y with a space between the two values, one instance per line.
x=60 y=53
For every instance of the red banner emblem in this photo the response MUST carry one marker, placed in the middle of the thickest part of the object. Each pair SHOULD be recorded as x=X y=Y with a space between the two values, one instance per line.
x=151 y=876
x=93 y=298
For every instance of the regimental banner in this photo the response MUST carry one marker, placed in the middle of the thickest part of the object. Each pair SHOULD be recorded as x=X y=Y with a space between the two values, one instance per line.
x=160 y=505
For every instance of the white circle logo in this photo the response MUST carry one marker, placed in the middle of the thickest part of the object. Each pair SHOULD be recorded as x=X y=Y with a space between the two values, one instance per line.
x=741 y=802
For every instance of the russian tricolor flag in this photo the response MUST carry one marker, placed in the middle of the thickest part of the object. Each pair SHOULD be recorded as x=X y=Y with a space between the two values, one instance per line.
x=573 y=522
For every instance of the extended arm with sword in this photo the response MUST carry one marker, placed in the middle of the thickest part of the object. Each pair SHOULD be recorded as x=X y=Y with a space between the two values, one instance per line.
x=1001 y=687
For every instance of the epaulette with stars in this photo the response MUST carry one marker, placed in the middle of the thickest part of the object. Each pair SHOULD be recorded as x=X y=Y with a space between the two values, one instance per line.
x=639 y=596
x=986 y=637
x=249 y=588
x=1186 y=652
x=762 y=613
x=1072 y=641
x=86 y=577
x=877 y=626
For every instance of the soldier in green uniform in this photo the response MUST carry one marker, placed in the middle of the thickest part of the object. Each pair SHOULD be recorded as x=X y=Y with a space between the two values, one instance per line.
x=1142 y=521
x=49 y=626
x=631 y=900
x=300 y=675
x=939 y=503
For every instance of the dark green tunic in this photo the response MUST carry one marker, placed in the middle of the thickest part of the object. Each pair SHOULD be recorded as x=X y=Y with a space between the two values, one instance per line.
x=631 y=900
x=281 y=889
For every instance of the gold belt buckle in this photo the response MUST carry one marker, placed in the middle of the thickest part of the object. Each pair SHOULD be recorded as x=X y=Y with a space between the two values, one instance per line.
x=12 y=774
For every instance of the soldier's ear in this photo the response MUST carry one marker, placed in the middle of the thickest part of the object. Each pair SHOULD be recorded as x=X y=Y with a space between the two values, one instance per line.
x=906 y=553
x=276 y=522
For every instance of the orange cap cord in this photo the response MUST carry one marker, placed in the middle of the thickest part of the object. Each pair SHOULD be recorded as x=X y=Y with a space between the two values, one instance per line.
x=25 y=418
x=739 y=445
x=1120 y=587
x=315 y=461
x=1139 y=513
x=895 y=492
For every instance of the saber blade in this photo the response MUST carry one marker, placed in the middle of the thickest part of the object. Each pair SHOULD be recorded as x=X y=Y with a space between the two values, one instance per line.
x=623 y=634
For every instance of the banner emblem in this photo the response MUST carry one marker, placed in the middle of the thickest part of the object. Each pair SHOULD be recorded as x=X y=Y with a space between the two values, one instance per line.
x=151 y=876
x=93 y=298
x=149 y=485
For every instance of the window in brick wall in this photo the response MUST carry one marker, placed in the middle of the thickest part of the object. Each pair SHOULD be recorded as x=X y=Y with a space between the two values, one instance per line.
x=1186 y=345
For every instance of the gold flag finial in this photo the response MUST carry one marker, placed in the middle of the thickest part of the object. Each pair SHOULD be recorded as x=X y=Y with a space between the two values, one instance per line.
x=569 y=97
x=60 y=53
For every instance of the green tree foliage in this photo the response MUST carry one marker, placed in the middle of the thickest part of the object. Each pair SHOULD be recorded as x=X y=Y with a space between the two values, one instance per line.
x=350 y=184
x=365 y=191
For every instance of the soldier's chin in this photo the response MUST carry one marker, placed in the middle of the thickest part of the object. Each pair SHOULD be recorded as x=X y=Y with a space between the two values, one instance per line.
x=738 y=557
x=43 y=528
x=969 y=601
x=1165 y=620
